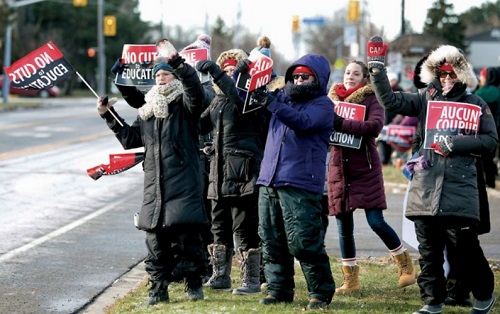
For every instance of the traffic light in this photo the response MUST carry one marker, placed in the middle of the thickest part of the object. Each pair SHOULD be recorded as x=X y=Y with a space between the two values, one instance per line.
x=91 y=52
x=110 y=25
x=353 y=11
x=79 y=3
x=295 y=23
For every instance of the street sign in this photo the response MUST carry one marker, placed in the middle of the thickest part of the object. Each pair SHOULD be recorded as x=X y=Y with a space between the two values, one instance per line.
x=319 y=20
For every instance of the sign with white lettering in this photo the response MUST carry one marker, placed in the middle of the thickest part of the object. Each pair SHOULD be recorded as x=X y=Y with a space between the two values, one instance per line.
x=40 y=69
x=194 y=56
x=259 y=74
x=348 y=111
x=446 y=118
x=138 y=65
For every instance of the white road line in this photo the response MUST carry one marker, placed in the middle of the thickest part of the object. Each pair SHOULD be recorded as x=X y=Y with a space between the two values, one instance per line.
x=57 y=232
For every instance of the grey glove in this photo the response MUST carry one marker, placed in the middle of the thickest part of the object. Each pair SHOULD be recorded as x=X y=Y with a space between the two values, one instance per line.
x=375 y=53
x=444 y=146
x=208 y=66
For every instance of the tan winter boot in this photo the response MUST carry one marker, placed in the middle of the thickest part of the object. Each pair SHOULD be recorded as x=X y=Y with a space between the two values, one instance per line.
x=351 y=280
x=407 y=273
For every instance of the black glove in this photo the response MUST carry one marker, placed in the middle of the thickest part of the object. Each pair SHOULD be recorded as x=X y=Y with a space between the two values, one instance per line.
x=118 y=67
x=444 y=146
x=208 y=66
x=104 y=105
x=176 y=61
x=261 y=98
x=337 y=122
x=375 y=53
x=243 y=66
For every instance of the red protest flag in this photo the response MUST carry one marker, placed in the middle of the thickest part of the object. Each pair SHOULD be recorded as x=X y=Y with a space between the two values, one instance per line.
x=40 y=69
x=117 y=164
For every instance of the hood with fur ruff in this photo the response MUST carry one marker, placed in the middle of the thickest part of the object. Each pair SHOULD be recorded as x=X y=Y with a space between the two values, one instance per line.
x=453 y=56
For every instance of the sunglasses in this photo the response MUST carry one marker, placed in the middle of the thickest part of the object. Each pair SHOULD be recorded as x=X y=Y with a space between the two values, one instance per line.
x=444 y=74
x=303 y=76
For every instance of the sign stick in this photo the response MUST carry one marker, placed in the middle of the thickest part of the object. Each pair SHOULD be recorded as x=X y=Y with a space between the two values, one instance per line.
x=93 y=91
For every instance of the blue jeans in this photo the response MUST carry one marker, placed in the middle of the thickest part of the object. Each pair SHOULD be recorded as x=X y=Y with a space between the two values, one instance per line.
x=376 y=221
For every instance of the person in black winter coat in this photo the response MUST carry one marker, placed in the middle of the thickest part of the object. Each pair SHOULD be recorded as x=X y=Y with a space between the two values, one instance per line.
x=135 y=99
x=172 y=213
x=443 y=199
x=235 y=157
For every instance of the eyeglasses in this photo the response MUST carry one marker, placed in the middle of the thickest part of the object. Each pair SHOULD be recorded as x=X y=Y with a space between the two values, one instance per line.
x=444 y=74
x=305 y=77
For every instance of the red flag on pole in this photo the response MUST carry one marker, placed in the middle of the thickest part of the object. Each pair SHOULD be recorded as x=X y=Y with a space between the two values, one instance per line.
x=117 y=164
x=41 y=69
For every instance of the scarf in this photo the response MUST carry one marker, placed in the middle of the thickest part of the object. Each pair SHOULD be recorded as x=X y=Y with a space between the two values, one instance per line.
x=158 y=98
x=302 y=92
x=344 y=93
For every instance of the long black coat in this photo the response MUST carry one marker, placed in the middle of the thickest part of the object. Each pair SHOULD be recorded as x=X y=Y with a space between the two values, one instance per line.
x=171 y=163
x=238 y=142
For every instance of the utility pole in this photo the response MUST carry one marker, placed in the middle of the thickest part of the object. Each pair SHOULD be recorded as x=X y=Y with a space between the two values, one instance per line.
x=12 y=5
x=403 y=18
x=101 y=50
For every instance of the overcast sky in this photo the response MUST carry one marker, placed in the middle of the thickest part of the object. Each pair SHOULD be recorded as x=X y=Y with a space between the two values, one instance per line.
x=274 y=18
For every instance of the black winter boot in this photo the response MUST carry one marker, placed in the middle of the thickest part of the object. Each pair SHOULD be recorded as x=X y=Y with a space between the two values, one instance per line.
x=158 y=292
x=220 y=258
x=250 y=272
x=194 y=289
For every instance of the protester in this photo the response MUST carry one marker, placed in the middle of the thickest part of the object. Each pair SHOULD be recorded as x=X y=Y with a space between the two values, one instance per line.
x=236 y=154
x=458 y=294
x=355 y=179
x=171 y=215
x=489 y=82
x=135 y=98
x=386 y=149
x=292 y=176
x=443 y=198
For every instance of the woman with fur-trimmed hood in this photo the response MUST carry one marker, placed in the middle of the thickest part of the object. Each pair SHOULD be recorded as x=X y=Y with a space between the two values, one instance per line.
x=235 y=158
x=443 y=198
x=355 y=178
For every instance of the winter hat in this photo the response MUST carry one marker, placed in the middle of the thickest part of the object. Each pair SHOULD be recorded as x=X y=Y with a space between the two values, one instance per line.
x=445 y=56
x=264 y=46
x=483 y=72
x=446 y=67
x=162 y=66
x=203 y=41
x=230 y=57
x=302 y=69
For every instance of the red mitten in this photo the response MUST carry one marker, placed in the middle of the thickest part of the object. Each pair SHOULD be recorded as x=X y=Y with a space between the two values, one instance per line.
x=375 y=53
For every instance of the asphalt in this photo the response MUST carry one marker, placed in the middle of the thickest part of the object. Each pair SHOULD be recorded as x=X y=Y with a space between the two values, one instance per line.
x=137 y=276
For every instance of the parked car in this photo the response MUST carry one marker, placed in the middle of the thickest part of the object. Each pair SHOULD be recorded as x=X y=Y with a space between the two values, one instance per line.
x=53 y=91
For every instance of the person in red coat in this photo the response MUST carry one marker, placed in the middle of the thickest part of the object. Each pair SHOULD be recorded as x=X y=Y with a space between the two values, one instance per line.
x=355 y=178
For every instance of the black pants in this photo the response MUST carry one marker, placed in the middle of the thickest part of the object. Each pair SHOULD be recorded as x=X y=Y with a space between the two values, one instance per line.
x=467 y=258
x=175 y=253
x=236 y=216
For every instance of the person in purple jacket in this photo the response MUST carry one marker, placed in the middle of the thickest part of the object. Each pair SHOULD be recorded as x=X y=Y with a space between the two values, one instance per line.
x=291 y=183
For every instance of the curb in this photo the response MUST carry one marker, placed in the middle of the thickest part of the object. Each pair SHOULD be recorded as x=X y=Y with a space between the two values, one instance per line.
x=120 y=288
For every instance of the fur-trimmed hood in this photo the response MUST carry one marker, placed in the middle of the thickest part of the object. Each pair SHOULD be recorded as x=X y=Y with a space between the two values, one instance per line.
x=455 y=58
x=235 y=54
x=356 y=97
